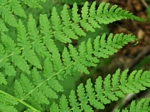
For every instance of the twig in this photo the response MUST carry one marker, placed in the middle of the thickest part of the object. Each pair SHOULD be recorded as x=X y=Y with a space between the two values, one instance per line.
x=139 y=58
x=144 y=3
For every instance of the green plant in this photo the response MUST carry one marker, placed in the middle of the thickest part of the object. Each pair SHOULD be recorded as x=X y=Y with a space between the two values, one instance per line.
x=36 y=53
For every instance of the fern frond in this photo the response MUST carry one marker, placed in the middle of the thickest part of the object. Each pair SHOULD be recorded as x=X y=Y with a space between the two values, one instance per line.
x=33 y=61
x=67 y=26
x=35 y=87
x=142 y=106
x=105 y=91
x=88 y=53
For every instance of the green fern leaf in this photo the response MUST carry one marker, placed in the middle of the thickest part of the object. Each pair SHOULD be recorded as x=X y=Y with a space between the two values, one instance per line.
x=73 y=102
x=18 y=89
x=48 y=67
x=31 y=57
x=56 y=20
x=33 y=3
x=9 y=43
x=65 y=16
x=2 y=79
x=115 y=83
x=26 y=84
x=83 y=99
x=91 y=93
x=99 y=91
x=107 y=87
x=5 y=65
x=66 y=57
x=66 y=21
x=55 y=55
x=3 y=27
x=85 y=10
x=55 y=85
x=63 y=104
x=7 y=103
x=85 y=16
x=20 y=62
x=32 y=30
x=23 y=39
x=17 y=9
x=8 y=16
x=54 y=107
x=7 y=108
x=76 y=18
x=9 y=70
x=14 y=52
x=109 y=90
x=45 y=26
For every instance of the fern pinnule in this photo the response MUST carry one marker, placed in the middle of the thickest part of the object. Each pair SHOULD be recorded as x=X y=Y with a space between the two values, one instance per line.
x=73 y=102
x=30 y=42
x=3 y=27
x=63 y=104
x=12 y=54
x=45 y=27
x=17 y=8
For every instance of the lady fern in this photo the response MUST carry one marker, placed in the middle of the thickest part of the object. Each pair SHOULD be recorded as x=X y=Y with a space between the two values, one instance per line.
x=32 y=63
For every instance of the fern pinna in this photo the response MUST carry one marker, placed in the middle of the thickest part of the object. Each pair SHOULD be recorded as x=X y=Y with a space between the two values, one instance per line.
x=32 y=63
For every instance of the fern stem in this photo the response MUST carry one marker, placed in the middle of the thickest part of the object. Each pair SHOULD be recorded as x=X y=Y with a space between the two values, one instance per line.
x=47 y=80
x=19 y=100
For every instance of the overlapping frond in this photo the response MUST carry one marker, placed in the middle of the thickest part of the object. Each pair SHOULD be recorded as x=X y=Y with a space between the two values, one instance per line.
x=56 y=66
x=105 y=91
